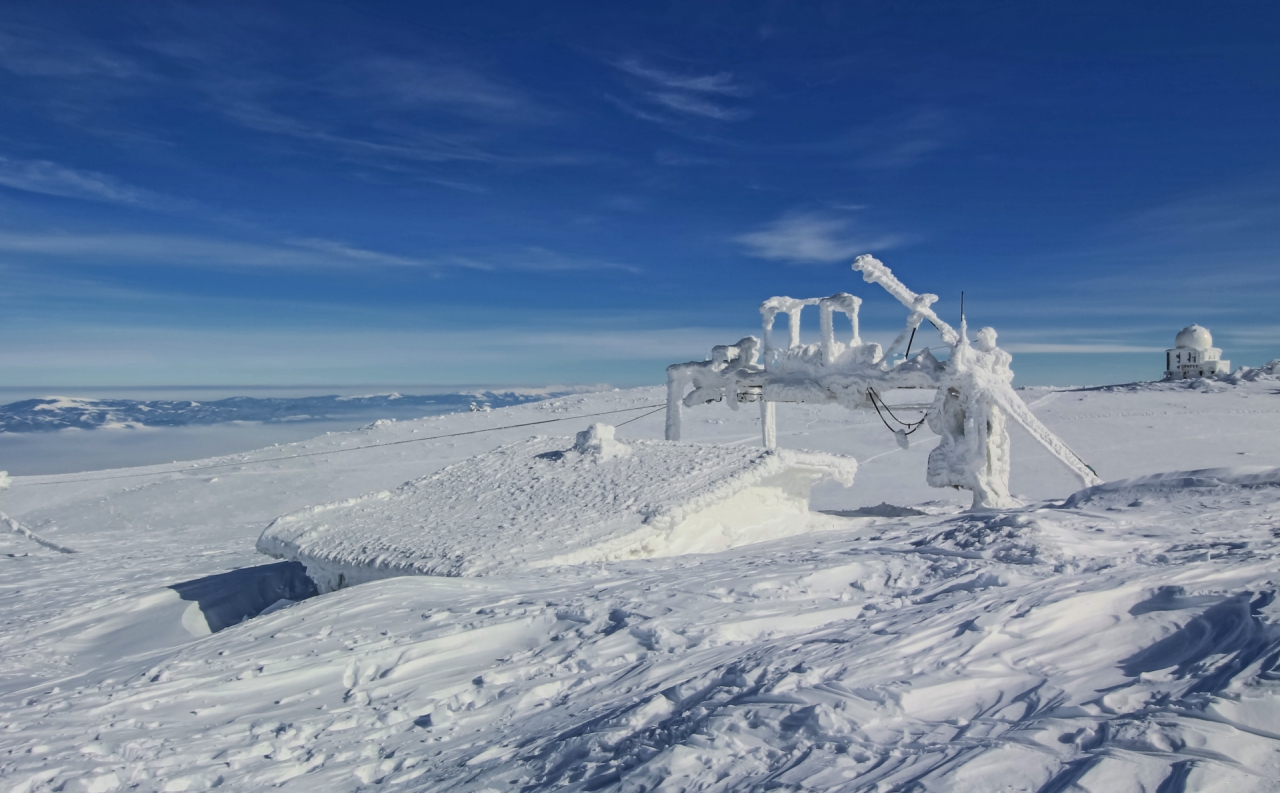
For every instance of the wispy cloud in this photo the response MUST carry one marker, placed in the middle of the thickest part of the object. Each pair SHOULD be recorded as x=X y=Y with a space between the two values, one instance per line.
x=697 y=106
x=50 y=178
x=696 y=96
x=813 y=238
x=452 y=87
x=31 y=52
x=393 y=113
x=894 y=142
x=719 y=83
x=537 y=259
x=193 y=251
x=343 y=252
x=297 y=253
x=1228 y=211
x=680 y=159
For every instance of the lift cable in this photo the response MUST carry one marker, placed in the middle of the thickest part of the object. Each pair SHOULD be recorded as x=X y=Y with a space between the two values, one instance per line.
x=339 y=451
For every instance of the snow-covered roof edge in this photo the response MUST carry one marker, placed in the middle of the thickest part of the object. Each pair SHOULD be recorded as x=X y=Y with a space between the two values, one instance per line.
x=770 y=462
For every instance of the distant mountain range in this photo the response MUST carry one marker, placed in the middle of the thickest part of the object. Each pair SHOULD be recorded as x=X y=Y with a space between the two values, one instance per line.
x=59 y=413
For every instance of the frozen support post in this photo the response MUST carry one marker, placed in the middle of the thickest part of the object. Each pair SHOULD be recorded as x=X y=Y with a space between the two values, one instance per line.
x=675 y=385
x=768 y=423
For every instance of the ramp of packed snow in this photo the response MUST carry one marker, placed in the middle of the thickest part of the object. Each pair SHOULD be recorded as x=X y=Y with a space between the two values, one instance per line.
x=546 y=501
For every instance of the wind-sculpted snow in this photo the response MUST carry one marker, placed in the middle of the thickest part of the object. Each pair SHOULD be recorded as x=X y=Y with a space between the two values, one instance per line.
x=1124 y=490
x=1126 y=638
x=890 y=654
x=58 y=413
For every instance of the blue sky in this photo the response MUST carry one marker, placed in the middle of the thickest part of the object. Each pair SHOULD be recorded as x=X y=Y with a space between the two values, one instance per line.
x=528 y=193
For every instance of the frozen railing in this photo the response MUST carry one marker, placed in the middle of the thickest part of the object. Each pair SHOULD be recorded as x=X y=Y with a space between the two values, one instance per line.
x=842 y=302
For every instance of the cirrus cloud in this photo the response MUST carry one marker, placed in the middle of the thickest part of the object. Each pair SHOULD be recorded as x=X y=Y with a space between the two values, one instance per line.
x=812 y=238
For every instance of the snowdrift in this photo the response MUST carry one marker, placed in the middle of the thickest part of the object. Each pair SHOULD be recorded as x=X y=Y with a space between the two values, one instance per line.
x=546 y=501
x=1176 y=482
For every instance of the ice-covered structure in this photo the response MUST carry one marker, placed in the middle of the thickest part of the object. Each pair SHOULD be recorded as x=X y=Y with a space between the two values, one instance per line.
x=1193 y=355
x=546 y=501
x=974 y=397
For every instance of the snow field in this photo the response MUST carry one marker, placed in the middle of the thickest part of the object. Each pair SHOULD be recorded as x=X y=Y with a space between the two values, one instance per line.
x=1123 y=640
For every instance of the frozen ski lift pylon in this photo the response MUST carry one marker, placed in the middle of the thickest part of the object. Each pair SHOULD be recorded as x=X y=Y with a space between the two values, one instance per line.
x=974 y=394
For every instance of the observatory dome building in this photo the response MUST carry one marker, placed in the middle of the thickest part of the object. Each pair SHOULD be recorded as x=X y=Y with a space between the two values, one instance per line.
x=1193 y=355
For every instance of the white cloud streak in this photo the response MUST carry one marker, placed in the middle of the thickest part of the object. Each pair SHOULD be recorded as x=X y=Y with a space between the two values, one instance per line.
x=450 y=86
x=191 y=251
x=687 y=95
x=695 y=106
x=299 y=253
x=719 y=83
x=50 y=178
x=812 y=238
x=30 y=52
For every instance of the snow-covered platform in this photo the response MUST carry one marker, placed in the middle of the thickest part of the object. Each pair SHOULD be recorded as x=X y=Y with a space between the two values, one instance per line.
x=549 y=501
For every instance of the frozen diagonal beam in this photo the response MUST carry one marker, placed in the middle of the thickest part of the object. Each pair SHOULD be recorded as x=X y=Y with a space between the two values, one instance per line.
x=874 y=271
x=1017 y=410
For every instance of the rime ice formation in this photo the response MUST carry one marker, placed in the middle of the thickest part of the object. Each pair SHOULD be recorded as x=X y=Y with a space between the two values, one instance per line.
x=598 y=440
x=1193 y=355
x=974 y=395
x=1251 y=374
x=536 y=503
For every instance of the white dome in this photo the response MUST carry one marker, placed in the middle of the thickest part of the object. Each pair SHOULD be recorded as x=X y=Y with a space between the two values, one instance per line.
x=1193 y=337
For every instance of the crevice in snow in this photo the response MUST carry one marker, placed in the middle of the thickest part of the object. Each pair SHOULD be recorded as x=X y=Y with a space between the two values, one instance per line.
x=225 y=599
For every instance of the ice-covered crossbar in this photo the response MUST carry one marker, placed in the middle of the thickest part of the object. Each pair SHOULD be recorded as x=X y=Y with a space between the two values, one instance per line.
x=550 y=501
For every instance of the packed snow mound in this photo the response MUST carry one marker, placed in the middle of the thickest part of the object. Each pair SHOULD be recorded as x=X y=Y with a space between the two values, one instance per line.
x=542 y=502
x=598 y=440
x=1251 y=374
x=1176 y=482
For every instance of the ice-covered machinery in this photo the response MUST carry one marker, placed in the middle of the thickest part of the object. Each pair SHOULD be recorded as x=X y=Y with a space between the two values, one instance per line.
x=974 y=396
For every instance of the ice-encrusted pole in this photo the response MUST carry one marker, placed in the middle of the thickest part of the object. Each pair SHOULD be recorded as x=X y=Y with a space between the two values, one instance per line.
x=774 y=306
x=675 y=387
x=874 y=271
x=846 y=304
x=1017 y=410
x=768 y=423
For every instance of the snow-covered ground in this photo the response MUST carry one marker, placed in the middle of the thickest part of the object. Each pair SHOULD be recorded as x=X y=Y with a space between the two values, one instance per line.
x=1124 y=638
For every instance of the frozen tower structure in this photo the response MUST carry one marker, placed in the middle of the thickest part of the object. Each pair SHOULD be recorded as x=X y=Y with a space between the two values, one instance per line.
x=974 y=398
x=1193 y=355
